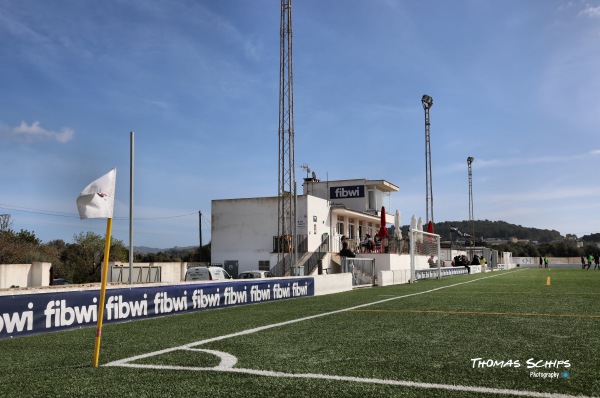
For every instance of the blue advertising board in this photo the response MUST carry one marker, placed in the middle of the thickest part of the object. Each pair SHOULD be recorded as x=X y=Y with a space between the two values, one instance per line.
x=27 y=314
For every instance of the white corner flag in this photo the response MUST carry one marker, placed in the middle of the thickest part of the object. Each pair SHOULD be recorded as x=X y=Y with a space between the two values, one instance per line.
x=97 y=199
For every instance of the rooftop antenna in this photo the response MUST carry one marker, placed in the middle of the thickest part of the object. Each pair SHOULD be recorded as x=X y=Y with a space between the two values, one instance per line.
x=305 y=167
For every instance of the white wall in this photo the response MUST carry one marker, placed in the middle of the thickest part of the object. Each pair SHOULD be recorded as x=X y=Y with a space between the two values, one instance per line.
x=24 y=275
x=335 y=283
x=386 y=262
x=319 y=208
x=385 y=278
x=243 y=230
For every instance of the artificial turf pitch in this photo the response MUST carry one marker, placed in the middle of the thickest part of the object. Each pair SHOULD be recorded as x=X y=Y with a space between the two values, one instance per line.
x=484 y=335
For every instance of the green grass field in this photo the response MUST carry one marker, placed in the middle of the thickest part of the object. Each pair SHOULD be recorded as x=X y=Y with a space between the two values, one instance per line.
x=402 y=344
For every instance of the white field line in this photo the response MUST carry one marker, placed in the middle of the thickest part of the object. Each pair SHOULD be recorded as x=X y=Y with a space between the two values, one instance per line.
x=228 y=361
x=402 y=383
x=285 y=323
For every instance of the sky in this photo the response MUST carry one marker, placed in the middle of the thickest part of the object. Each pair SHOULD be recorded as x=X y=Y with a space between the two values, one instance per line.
x=514 y=83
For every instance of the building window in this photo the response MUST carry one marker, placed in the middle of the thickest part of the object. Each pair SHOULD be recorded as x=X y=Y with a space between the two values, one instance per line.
x=340 y=226
x=264 y=265
x=351 y=228
x=372 y=200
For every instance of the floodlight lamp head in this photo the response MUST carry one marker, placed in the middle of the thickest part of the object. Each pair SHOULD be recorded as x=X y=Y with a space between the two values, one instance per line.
x=427 y=101
x=470 y=159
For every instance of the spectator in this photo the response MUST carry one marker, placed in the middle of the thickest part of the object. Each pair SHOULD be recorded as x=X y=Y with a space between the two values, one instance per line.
x=345 y=252
x=367 y=244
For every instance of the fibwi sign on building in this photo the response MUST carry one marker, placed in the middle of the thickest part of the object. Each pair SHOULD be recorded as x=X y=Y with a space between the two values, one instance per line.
x=354 y=191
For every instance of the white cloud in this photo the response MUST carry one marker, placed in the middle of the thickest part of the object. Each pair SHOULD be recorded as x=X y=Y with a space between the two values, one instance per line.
x=591 y=12
x=35 y=133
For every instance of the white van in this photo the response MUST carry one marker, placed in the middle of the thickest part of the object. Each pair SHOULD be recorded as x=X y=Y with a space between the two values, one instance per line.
x=206 y=274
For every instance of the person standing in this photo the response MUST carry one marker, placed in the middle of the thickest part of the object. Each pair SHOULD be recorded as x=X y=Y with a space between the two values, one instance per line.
x=545 y=262
x=596 y=261
x=345 y=252
x=582 y=262
x=541 y=261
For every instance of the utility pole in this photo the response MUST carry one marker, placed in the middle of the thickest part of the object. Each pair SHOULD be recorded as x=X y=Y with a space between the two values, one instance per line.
x=286 y=211
x=471 y=219
x=131 y=175
x=427 y=102
x=200 y=226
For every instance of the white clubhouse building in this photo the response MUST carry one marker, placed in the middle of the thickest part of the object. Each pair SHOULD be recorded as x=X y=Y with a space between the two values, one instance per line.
x=244 y=231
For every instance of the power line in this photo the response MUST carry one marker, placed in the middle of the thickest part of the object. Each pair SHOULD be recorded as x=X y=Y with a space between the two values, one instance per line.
x=73 y=215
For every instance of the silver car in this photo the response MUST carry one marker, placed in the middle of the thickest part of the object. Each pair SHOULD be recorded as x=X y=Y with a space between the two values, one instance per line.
x=254 y=275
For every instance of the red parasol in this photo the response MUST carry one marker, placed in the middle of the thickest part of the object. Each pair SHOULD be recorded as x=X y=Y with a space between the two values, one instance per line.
x=383 y=233
x=430 y=227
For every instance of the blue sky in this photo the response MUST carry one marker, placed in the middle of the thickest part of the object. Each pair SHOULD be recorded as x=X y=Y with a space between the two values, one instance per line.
x=515 y=84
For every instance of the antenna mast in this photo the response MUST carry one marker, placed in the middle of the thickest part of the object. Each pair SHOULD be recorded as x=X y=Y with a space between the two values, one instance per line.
x=287 y=175
x=471 y=217
x=427 y=102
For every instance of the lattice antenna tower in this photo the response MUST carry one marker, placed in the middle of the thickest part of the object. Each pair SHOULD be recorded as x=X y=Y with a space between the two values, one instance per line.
x=427 y=102
x=287 y=174
x=471 y=218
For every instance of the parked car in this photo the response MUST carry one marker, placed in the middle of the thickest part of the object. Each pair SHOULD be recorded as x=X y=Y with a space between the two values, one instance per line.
x=60 y=281
x=254 y=275
x=206 y=274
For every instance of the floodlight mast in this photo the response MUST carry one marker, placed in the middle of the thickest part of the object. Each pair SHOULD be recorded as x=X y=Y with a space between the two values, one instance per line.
x=471 y=217
x=427 y=102
x=286 y=230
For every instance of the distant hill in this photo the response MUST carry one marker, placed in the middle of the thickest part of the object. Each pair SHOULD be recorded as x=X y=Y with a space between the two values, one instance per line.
x=496 y=229
x=149 y=250
x=591 y=238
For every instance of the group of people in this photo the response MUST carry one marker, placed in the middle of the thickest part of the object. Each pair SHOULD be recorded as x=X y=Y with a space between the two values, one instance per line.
x=543 y=261
x=463 y=261
x=592 y=258
x=366 y=246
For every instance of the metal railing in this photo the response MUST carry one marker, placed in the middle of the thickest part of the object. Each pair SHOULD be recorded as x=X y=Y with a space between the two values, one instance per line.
x=279 y=269
x=433 y=273
x=301 y=247
x=119 y=273
x=313 y=261
x=362 y=269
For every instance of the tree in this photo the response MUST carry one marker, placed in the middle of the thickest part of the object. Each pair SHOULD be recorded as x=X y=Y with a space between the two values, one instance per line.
x=5 y=222
x=23 y=247
x=83 y=260
x=202 y=254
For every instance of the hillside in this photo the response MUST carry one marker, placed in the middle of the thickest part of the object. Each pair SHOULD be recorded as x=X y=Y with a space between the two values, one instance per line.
x=149 y=250
x=496 y=229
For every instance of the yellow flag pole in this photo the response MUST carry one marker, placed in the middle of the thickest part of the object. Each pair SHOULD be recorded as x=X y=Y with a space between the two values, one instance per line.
x=102 y=291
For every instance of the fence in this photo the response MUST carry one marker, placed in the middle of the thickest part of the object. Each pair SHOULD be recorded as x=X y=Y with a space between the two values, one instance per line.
x=140 y=274
x=362 y=269
x=434 y=273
